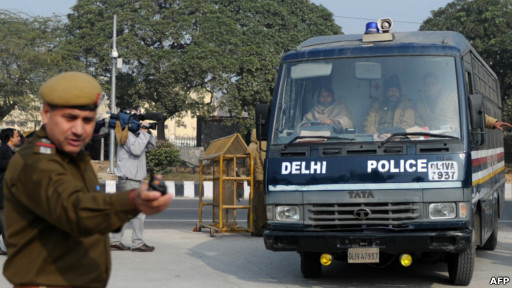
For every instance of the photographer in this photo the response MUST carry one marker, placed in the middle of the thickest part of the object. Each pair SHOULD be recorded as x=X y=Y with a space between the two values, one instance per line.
x=131 y=170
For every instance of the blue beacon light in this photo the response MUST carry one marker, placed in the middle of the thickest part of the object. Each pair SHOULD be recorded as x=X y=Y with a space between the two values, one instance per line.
x=371 y=28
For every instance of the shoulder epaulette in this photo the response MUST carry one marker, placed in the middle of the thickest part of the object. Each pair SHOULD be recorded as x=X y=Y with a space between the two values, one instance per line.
x=44 y=147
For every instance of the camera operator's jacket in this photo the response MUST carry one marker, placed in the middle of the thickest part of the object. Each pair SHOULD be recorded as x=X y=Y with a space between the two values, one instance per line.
x=57 y=218
x=131 y=157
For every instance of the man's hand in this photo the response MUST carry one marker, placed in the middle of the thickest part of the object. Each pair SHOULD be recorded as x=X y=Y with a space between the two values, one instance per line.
x=381 y=137
x=145 y=124
x=150 y=202
x=327 y=121
x=499 y=125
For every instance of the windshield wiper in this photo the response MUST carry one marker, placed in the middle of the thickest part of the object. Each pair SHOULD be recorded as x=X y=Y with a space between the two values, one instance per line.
x=405 y=134
x=312 y=138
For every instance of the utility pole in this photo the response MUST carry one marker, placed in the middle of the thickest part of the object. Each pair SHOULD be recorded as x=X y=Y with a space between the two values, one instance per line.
x=114 y=56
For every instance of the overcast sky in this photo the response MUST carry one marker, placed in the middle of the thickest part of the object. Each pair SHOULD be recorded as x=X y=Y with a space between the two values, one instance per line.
x=407 y=15
x=349 y=14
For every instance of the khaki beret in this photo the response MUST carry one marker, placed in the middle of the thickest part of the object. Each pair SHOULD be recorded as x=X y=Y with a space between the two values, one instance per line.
x=72 y=89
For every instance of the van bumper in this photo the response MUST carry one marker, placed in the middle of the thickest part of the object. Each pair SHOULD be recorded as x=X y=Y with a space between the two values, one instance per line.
x=338 y=242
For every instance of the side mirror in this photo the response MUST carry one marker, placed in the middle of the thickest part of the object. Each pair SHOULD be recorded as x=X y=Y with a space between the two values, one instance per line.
x=262 y=119
x=477 y=119
x=476 y=110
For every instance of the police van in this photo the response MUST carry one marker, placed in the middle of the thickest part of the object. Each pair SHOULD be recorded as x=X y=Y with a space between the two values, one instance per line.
x=378 y=151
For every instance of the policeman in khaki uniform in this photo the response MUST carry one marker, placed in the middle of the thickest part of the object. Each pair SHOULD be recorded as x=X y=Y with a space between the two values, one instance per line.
x=258 y=203
x=57 y=217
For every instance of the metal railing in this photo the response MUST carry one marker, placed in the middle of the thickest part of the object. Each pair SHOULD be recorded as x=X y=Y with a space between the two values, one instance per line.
x=183 y=141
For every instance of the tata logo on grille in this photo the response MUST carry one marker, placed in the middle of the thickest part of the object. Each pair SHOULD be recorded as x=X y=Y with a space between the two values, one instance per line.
x=362 y=213
x=360 y=194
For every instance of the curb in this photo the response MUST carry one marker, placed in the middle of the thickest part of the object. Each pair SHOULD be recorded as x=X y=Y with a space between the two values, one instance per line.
x=180 y=189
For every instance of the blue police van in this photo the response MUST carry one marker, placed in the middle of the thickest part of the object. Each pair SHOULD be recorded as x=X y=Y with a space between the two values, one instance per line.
x=378 y=151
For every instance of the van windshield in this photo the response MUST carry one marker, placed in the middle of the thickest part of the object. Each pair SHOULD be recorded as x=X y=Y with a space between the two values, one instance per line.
x=368 y=99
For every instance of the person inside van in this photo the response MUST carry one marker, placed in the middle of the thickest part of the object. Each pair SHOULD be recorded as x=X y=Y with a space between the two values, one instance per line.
x=328 y=111
x=435 y=108
x=393 y=113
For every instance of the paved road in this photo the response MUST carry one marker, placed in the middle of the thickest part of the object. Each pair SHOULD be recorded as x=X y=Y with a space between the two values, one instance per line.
x=184 y=214
x=194 y=259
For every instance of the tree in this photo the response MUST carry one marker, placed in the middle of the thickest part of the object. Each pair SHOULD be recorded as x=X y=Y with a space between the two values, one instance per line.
x=28 y=56
x=171 y=49
x=487 y=25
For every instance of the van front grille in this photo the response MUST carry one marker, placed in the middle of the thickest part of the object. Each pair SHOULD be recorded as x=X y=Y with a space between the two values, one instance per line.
x=354 y=214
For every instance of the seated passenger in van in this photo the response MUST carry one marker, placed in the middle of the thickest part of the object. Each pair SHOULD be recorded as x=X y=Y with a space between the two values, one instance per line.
x=327 y=111
x=436 y=108
x=393 y=113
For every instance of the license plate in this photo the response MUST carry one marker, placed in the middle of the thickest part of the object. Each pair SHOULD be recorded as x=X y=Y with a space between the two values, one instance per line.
x=363 y=255
x=442 y=170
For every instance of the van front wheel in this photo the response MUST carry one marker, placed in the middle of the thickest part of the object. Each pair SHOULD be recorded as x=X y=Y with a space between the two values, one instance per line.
x=310 y=265
x=460 y=265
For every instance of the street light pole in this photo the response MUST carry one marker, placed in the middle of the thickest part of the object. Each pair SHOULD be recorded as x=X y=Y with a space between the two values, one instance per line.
x=114 y=56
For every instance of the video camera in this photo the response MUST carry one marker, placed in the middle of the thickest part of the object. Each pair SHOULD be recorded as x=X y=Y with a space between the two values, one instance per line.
x=132 y=119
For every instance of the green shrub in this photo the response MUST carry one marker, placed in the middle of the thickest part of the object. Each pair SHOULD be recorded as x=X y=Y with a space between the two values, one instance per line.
x=163 y=158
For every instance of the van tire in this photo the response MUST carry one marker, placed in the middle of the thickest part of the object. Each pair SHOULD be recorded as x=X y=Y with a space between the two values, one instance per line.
x=310 y=265
x=460 y=265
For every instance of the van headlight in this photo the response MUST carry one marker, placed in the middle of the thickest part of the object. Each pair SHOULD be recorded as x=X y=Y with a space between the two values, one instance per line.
x=442 y=210
x=287 y=213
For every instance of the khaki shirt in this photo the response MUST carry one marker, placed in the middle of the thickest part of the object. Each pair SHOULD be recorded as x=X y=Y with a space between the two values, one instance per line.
x=489 y=121
x=57 y=218
x=436 y=113
x=258 y=156
x=445 y=112
x=381 y=117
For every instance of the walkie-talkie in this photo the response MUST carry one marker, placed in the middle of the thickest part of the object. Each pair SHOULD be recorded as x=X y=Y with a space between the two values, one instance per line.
x=156 y=184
